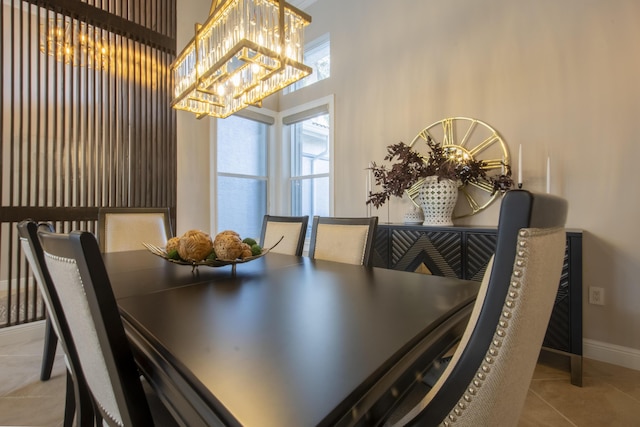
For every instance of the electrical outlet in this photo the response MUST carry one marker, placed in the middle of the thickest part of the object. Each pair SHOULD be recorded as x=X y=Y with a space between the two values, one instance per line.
x=596 y=295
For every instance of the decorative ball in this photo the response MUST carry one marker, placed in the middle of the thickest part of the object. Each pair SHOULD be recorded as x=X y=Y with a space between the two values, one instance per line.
x=256 y=250
x=228 y=232
x=172 y=244
x=195 y=245
x=246 y=251
x=228 y=245
x=249 y=241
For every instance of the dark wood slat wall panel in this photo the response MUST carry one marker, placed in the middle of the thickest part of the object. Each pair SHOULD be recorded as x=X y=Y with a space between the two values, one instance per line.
x=85 y=133
x=134 y=23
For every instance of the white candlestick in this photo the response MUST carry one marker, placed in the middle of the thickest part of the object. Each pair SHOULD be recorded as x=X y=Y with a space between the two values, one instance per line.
x=548 y=175
x=368 y=190
x=520 y=166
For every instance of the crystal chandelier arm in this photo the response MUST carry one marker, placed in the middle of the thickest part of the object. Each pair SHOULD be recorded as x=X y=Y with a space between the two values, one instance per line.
x=281 y=27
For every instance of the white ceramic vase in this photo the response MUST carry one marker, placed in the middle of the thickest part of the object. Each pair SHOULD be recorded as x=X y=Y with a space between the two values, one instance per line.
x=438 y=199
x=414 y=215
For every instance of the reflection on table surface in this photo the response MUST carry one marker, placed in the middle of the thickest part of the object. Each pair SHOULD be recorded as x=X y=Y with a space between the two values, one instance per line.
x=287 y=341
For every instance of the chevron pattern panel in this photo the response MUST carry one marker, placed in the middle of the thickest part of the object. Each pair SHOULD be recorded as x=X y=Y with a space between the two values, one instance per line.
x=381 y=248
x=558 y=334
x=430 y=252
x=465 y=252
x=480 y=247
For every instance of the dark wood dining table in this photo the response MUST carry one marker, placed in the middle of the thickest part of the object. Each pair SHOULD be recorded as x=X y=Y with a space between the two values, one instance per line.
x=286 y=341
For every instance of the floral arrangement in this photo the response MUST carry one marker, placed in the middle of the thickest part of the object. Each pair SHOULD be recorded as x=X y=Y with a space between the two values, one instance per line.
x=444 y=163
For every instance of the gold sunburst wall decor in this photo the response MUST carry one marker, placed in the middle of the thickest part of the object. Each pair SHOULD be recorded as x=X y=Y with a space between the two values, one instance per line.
x=467 y=138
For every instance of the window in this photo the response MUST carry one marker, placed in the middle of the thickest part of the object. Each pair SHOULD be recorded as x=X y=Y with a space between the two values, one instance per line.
x=317 y=55
x=309 y=136
x=242 y=175
x=310 y=161
x=293 y=177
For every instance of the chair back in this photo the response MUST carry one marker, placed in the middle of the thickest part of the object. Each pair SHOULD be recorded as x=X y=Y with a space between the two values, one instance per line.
x=28 y=234
x=78 y=275
x=30 y=243
x=292 y=228
x=489 y=374
x=124 y=229
x=347 y=240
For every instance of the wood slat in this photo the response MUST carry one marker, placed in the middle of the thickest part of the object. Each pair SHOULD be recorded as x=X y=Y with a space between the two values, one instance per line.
x=77 y=136
x=130 y=26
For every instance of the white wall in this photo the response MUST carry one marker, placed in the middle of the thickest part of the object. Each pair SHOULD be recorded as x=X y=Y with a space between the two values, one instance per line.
x=193 y=205
x=558 y=77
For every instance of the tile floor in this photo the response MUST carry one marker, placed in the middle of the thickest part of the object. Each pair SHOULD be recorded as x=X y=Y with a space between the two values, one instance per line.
x=610 y=395
x=24 y=399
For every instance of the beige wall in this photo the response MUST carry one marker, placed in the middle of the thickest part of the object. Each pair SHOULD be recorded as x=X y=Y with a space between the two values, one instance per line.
x=558 y=77
x=194 y=154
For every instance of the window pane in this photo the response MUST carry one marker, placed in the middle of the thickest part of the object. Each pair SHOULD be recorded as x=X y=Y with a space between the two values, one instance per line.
x=242 y=204
x=310 y=197
x=242 y=147
x=317 y=55
x=310 y=146
x=241 y=201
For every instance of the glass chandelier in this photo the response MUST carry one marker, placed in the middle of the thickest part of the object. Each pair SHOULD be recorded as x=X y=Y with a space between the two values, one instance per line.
x=245 y=51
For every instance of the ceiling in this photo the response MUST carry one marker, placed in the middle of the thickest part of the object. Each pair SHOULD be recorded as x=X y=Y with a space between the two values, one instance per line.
x=301 y=4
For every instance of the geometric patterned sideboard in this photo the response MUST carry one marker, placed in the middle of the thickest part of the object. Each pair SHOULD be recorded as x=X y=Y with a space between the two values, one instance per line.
x=464 y=252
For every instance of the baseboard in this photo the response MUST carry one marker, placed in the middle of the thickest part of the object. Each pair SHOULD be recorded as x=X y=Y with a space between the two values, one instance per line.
x=22 y=333
x=4 y=283
x=611 y=353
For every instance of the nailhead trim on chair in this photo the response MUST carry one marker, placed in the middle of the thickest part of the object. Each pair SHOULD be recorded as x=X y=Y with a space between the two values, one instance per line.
x=73 y=261
x=111 y=417
x=501 y=332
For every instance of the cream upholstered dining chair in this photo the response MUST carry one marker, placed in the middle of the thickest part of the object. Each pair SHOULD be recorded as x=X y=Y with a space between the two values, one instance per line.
x=124 y=229
x=102 y=352
x=347 y=240
x=487 y=379
x=292 y=230
x=76 y=401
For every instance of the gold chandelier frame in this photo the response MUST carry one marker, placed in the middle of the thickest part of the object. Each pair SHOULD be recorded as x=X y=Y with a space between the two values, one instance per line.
x=244 y=52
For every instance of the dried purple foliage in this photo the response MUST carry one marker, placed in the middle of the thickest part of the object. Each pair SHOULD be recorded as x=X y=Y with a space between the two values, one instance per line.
x=411 y=167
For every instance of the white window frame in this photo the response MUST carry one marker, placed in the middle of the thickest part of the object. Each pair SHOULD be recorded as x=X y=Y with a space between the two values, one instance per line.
x=279 y=177
x=325 y=38
x=284 y=181
x=262 y=115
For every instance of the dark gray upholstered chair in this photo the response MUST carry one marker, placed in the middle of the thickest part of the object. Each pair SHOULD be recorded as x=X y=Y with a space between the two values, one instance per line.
x=292 y=228
x=87 y=302
x=77 y=403
x=347 y=240
x=124 y=229
x=486 y=382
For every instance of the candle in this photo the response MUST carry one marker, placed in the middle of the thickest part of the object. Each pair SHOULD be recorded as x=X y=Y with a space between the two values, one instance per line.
x=520 y=166
x=548 y=175
x=368 y=189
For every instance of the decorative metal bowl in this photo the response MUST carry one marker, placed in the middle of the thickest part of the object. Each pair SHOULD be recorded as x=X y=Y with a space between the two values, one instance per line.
x=162 y=253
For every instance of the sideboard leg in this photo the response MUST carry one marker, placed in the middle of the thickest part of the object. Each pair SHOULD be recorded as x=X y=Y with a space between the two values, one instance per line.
x=576 y=370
